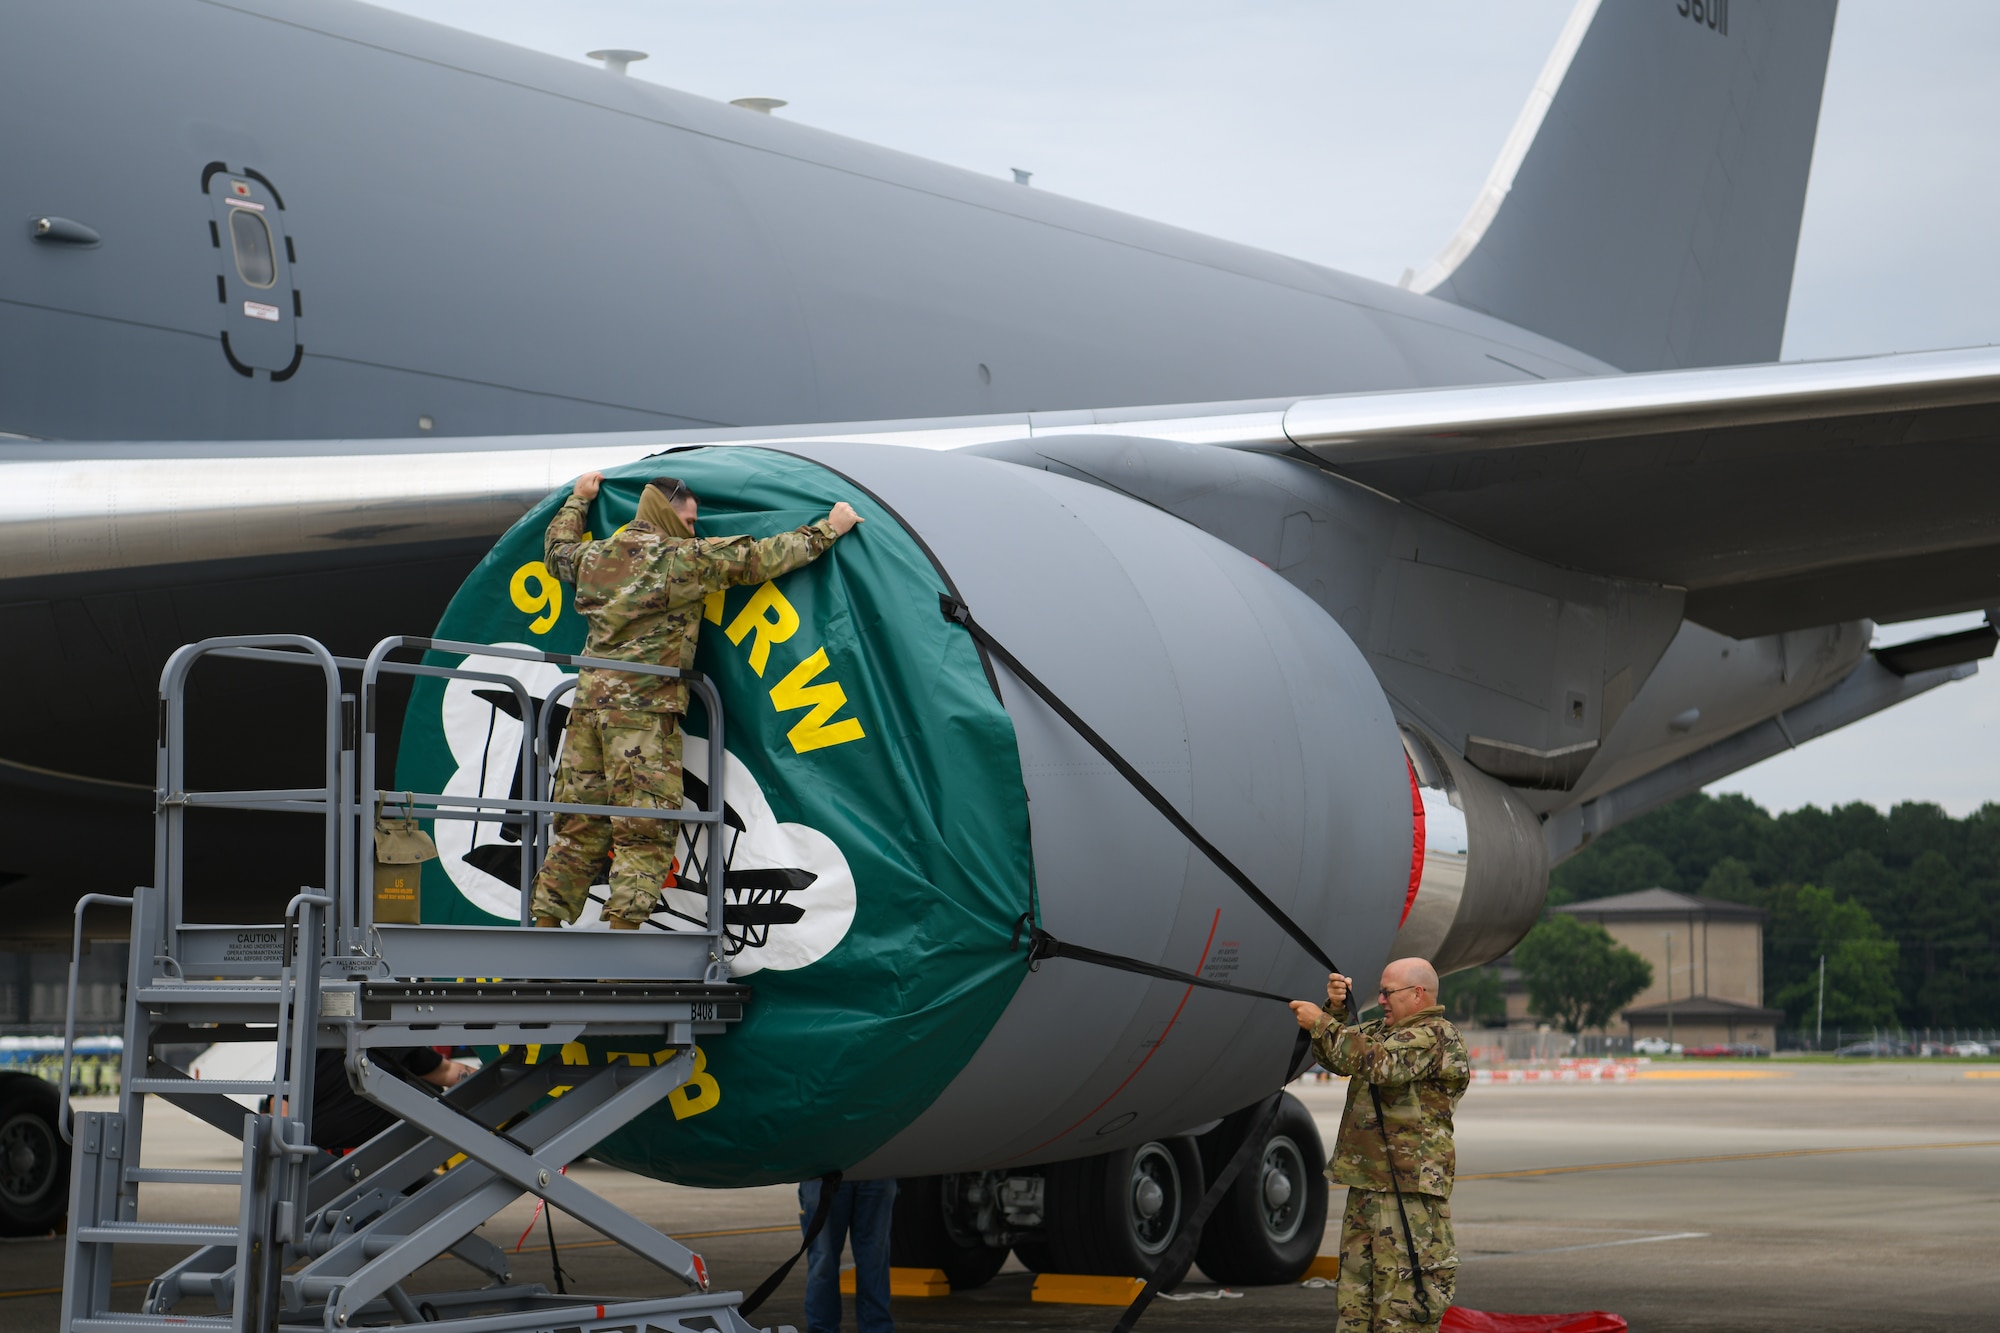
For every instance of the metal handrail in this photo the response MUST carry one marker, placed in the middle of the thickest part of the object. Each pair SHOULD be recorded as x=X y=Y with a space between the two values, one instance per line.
x=69 y=1005
x=362 y=910
x=171 y=764
x=351 y=792
x=365 y=902
x=298 y=1012
x=522 y=807
x=696 y=682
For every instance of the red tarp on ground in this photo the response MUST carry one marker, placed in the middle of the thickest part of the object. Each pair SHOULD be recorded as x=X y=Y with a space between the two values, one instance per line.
x=1458 y=1319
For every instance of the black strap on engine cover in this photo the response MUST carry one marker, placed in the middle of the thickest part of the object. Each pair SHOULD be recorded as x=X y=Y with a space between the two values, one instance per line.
x=829 y=1185
x=1042 y=945
x=958 y=613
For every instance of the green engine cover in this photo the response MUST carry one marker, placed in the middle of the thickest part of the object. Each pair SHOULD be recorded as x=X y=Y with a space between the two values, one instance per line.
x=866 y=747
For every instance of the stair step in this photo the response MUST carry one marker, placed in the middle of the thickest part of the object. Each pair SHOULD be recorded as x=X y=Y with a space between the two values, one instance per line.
x=166 y=1175
x=265 y=994
x=147 y=1323
x=156 y=1233
x=214 y=1087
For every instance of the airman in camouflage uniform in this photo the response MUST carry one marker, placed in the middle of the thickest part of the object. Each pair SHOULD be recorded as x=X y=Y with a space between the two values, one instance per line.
x=640 y=590
x=1414 y=1060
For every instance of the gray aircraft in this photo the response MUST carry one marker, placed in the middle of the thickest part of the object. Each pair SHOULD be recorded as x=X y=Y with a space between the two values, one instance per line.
x=313 y=301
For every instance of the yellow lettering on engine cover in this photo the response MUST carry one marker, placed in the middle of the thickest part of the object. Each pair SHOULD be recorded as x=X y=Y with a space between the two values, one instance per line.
x=700 y=1093
x=545 y=596
x=796 y=690
x=771 y=616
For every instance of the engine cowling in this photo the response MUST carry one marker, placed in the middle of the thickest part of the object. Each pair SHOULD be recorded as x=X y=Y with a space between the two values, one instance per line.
x=1484 y=862
x=893 y=1030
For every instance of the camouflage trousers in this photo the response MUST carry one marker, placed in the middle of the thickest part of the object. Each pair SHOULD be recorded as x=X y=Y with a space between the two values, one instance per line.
x=613 y=757
x=1377 y=1290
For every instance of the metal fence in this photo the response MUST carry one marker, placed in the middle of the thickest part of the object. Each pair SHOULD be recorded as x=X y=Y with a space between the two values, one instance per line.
x=1504 y=1046
x=1939 y=1042
x=1494 y=1046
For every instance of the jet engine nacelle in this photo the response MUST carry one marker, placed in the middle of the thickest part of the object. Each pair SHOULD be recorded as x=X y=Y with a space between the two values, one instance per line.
x=927 y=800
x=1484 y=864
x=1238 y=697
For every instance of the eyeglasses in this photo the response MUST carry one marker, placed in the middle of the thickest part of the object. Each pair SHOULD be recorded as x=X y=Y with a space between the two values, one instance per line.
x=1385 y=994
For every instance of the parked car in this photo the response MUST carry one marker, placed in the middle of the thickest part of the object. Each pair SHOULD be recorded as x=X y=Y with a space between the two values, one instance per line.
x=1749 y=1050
x=1709 y=1052
x=1656 y=1046
x=1870 y=1050
x=1971 y=1048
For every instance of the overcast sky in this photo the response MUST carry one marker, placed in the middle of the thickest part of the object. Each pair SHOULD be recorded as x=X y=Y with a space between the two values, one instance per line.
x=1355 y=135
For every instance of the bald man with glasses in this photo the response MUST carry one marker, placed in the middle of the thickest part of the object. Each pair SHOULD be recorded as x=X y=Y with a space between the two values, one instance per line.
x=1405 y=1074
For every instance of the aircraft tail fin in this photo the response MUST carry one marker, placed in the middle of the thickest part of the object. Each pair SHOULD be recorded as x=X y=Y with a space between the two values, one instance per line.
x=1646 y=206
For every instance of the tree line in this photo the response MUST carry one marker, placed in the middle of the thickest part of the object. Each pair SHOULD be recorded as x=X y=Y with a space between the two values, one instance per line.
x=1905 y=906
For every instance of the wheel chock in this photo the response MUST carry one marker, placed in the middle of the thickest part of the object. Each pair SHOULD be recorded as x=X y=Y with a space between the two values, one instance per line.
x=1086 y=1289
x=1323 y=1266
x=906 y=1282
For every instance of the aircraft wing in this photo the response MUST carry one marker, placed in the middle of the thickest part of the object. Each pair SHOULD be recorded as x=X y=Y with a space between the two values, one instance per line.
x=1779 y=496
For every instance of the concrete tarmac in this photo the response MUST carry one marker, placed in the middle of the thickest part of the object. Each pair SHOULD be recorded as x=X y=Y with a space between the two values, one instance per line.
x=1772 y=1195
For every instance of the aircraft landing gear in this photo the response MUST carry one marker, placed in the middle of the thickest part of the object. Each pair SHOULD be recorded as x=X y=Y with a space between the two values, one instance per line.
x=1267 y=1228
x=1119 y=1212
x=933 y=1228
x=34 y=1161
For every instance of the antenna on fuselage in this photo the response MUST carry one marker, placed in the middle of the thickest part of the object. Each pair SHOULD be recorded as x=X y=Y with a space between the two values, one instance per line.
x=615 y=60
x=766 y=105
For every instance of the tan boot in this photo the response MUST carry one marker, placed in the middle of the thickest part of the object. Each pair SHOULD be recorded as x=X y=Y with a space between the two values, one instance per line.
x=548 y=923
x=619 y=923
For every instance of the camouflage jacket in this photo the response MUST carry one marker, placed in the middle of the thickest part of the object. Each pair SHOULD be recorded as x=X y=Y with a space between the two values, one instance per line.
x=641 y=592
x=1420 y=1068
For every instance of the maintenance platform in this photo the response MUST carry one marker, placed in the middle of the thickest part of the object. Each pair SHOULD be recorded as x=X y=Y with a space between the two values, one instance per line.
x=325 y=1241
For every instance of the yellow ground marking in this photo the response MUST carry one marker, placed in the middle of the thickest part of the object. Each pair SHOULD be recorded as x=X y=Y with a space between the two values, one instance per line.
x=1726 y=1157
x=1085 y=1289
x=1715 y=1073
x=1982 y=1073
x=906 y=1282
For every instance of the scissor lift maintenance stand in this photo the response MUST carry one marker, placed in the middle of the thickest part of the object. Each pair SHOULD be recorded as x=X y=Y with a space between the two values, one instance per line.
x=328 y=1242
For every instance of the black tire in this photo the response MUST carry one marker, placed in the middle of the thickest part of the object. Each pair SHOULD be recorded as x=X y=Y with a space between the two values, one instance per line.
x=925 y=1233
x=1116 y=1214
x=1266 y=1229
x=34 y=1161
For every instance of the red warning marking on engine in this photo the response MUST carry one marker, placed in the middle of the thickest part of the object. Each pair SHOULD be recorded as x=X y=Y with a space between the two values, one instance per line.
x=1416 y=842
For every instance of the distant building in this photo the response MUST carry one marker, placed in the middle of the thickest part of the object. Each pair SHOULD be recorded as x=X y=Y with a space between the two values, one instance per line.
x=1708 y=965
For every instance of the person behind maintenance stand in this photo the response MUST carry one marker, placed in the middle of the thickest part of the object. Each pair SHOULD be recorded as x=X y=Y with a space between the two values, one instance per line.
x=1409 y=1068
x=861 y=1211
x=640 y=592
x=342 y=1119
